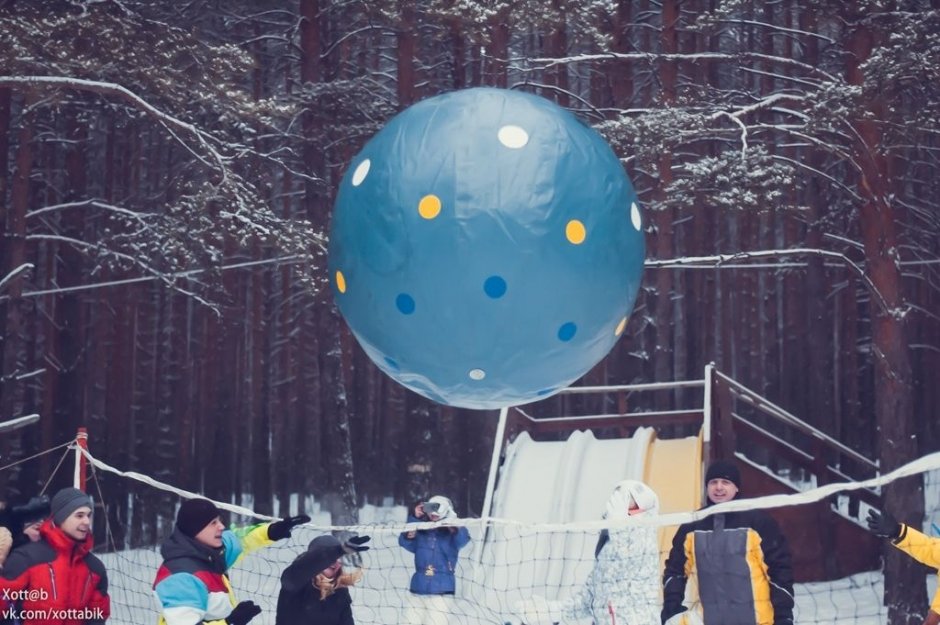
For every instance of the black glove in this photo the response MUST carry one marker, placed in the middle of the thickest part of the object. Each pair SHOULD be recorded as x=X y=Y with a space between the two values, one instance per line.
x=37 y=507
x=355 y=544
x=883 y=524
x=242 y=613
x=281 y=529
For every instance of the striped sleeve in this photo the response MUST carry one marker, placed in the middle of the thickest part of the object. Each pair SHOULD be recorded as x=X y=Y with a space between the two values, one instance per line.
x=244 y=540
x=183 y=599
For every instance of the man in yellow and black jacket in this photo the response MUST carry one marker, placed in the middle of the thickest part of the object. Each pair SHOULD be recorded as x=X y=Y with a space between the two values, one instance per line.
x=921 y=547
x=741 y=561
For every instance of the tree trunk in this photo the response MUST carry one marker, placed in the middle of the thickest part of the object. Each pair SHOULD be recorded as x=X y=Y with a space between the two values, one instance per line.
x=13 y=238
x=621 y=82
x=557 y=46
x=497 y=53
x=70 y=400
x=905 y=594
x=341 y=467
x=663 y=220
x=406 y=55
x=311 y=71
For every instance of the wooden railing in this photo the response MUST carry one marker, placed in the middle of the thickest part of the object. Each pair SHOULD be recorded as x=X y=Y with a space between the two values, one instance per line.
x=734 y=419
x=745 y=422
x=783 y=453
x=622 y=423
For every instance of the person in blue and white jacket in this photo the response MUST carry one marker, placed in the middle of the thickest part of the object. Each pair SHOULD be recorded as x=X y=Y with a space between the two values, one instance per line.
x=192 y=584
x=623 y=587
x=436 y=551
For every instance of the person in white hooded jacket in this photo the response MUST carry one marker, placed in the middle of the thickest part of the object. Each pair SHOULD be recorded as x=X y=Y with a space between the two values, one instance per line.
x=623 y=587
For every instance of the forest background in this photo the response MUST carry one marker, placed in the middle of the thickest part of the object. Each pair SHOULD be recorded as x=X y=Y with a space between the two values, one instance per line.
x=167 y=175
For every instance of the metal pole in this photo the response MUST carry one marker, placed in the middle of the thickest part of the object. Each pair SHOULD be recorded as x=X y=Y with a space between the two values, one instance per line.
x=494 y=462
x=491 y=483
x=707 y=407
x=81 y=442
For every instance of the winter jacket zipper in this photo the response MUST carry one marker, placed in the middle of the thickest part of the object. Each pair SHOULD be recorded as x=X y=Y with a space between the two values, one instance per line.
x=55 y=594
x=85 y=590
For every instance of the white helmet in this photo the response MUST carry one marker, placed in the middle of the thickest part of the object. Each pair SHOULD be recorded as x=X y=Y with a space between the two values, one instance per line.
x=628 y=492
x=445 y=507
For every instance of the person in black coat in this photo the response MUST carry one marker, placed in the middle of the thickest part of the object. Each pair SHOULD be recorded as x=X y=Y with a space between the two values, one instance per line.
x=314 y=588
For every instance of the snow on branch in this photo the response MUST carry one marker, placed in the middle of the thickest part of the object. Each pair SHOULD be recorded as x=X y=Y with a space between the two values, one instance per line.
x=725 y=259
x=157 y=274
x=294 y=258
x=14 y=273
x=652 y=57
x=89 y=202
x=112 y=89
x=736 y=119
x=778 y=28
x=763 y=103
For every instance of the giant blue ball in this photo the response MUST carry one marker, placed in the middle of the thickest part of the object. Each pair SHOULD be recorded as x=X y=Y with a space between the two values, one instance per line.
x=486 y=248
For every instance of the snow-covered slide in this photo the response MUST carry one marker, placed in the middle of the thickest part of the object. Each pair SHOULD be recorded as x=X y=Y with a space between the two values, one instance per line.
x=569 y=482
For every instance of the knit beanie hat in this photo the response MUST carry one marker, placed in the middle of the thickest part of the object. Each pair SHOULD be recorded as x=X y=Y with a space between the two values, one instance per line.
x=324 y=551
x=724 y=469
x=194 y=515
x=67 y=501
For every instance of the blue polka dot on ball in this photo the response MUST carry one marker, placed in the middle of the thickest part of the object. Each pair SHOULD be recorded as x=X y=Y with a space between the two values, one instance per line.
x=495 y=287
x=486 y=248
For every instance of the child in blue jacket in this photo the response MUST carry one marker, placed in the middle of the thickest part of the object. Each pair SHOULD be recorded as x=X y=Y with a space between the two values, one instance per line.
x=436 y=551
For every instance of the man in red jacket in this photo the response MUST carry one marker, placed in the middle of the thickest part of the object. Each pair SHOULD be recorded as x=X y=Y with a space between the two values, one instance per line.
x=56 y=580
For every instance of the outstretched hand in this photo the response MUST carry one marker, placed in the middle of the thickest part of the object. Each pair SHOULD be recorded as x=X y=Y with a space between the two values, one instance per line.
x=242 y=613
x=356 y=544
x=883 y=524
x=282 y=529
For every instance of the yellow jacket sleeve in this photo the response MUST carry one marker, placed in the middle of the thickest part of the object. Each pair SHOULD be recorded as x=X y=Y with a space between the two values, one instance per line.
x=922 y=548
x=241 y=541
x=257 y=537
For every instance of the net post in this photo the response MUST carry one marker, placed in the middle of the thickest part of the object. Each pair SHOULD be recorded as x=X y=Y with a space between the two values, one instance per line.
x=707 y=408
x=491 y=478
x=494 y=462
x=80 y=476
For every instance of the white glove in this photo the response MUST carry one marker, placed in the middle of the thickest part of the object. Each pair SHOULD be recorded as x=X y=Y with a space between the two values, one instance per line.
x=537 y=611
x=689 y=617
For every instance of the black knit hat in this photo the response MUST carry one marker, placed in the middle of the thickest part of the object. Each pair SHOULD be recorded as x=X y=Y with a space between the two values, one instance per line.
x=67 y=501
x=195 y=515
x=724 y=469
x=324 y=551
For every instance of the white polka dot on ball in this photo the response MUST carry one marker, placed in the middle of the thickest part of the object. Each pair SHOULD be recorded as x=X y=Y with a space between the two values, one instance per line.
x=635 y=216
x=477 y=374
x=513 y=137
x=361 y=172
